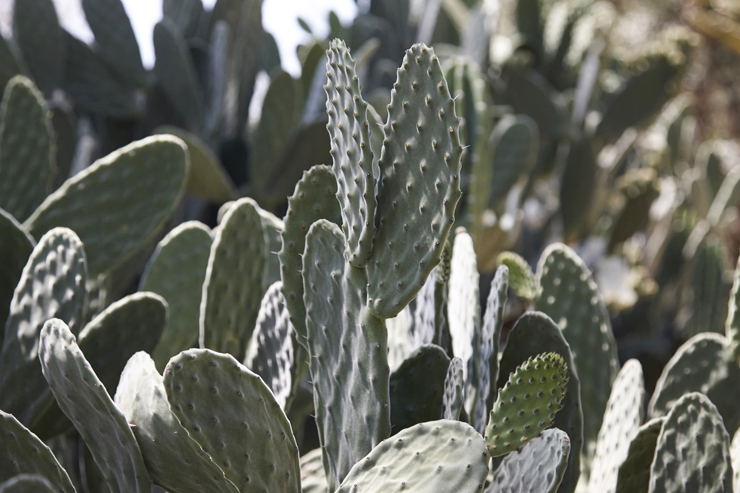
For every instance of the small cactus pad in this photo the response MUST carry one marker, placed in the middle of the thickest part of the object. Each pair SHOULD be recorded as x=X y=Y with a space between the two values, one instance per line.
x=175 y=462
x=351 y=152
x=434 y=457
x=521 y=278
x=417 y=387
x=732 y=326
x=313 y=199
x=152 y=170
x=26 y=149
x=527 y=404
x=488 y=346
x=233 y=416
x=535 y=333
x=271 y=353
x=567 y=293
x=313 y=479
x=693 y=450
x=620 y=425
x=84 y=400
x=52 y=285
x=538 y=466
x=233 y=287
x=16 y=246
x=452 y=402
x=23 y=453
x=27 y=483
x=131 y=324
x=420 y=184
x=347 y=354
x=176 y=271
x=634 y=473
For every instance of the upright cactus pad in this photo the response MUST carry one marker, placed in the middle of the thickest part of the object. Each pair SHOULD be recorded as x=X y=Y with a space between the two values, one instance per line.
x=23 y=453
x=27 y=163
x=175 y=462
x=233 y=286
x=347 y=354
x=420 y=184
x=521 y=278
x=634 y=473
x=693 y=451
x=16 y=246
x=489 y=346
x=153 y=173
x=38 y=34
x=527 y=404
x=84 y=400
x=435 y=457
x=452 y=402
x=538 y=466
x=351 y=152
x=313 y=199
x=233 y=416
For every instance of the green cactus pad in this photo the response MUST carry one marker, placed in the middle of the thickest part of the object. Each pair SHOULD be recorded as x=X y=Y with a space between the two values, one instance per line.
x=538 y=466
x=703 y=364
x=39 y=36
x=84 y=400
x=131 y=324
x=567 y=293
x=273 y=229
x=152 y=170
x=521 y=278
x=52 y=285
x=233 y=285
x=417 y=387
x=434 y=457
x=23 y=453
x=400 y=333
x=693 y=450
x=313 y=199
x=175 y=462
x=271 y=353
x=424 y=316
x=27 y=163
x=621 y=423
x=347 y=354
x=634 y=473
x=234 y=417
x=313 y=479
x=27 y=483
x=351 y=152
x=732 y=325
x=176 y=271
x=452 y=402
x=488 y=346
x=535 y=333
x=735 y=459
x=527 y=404
x=16 y=246
x=420 y=184
x=516 y=143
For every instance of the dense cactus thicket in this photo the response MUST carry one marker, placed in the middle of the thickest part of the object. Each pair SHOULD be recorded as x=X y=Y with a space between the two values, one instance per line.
x=473 y=246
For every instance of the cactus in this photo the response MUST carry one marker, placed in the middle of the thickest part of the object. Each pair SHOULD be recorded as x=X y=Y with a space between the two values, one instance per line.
x=521 y=278
x=16 y=246
x=312 y=473
x=39 y=36
x=454 y=395
x=433 y=457
x=224 y=406
x=489 y=345
x=735 y=461
x=732 y=325
x=634 y=473
x=27 y=483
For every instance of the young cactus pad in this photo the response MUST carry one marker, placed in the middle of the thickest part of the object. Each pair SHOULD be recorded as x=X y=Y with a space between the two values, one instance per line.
x=527 y=404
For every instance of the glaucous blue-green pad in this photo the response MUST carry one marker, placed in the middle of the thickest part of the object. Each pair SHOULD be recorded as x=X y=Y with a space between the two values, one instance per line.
x=273 y=229
x=27 y=161
x=735 y=459
x=38 y=34
x=16 y=246
x=131 y=324
x=521 y=278
x=52 y=285
x=175 y=462
x=84 y=400
x=535 y=333
x=621 y=423
x=703 y=364
x=176 y=271
x=313 y=479
x=434 y=457
x=452 y=402
x=23 y=453
x=351 y=152
x=314 y=198
x=270 y=353
x=732 y=325
x=634 y=473
x=488 y=346
x=136 y=187
x=347 y=354
x=420 y=183
x=567 y=293
x=417 y=387
x=27 y=483
x=232 y=290
x=235 y=419
x=693 y=450
x=538 y=466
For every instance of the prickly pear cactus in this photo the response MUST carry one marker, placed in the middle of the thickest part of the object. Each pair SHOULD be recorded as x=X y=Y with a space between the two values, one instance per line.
x=732 y=325
x=27 y=483
x=634 y=473
x=16 y=246
x=454 y=396
x=489 y=345
x=521 y=278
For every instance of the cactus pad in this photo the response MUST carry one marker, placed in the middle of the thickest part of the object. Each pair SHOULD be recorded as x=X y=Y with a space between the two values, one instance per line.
x=634 y=473
x=735 y=459
x=452 y=402
x=27 y=483
x=489 y=345
x=16 y=246
x=38 y=34
x=521 y=278
x=732 y=325
x=312 y=473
